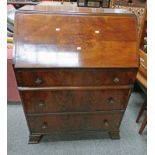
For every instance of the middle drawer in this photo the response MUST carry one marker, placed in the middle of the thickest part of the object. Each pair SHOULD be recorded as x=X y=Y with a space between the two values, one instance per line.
x=52 y=101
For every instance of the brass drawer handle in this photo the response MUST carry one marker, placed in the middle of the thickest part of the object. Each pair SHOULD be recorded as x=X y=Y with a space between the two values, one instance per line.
x=41 y=104
x=38 y=81
x=111 y=100
x=45 y=125
x=116 y=79
x=105 y=122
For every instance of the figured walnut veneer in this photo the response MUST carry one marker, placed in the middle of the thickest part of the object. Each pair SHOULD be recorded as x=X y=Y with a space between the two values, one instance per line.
x=75 y=68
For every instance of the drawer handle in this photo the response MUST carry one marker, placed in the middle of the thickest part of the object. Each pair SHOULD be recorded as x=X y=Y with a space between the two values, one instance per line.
x=116 y=79
x=45 y=125
x=38 y=81
x=111 y=100
x=105 y=122
x=41 y=104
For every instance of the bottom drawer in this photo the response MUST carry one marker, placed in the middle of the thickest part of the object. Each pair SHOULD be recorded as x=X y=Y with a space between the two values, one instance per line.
x=74 y=122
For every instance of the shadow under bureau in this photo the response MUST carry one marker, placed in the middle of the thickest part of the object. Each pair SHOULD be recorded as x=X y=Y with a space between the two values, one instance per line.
x=75 y=68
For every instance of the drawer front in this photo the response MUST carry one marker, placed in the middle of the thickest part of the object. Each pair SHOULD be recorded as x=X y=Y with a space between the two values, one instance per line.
x=74 y=100
x=76 y=122
x=74 y=77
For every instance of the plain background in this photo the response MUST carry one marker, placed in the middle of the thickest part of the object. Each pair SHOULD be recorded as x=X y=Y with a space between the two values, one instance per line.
x=151 y=77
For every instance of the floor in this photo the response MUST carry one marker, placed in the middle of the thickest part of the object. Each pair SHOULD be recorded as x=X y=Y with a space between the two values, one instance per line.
x=131 y=143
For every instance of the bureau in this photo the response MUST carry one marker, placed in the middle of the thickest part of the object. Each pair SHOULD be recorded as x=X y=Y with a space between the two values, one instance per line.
x=75 y=68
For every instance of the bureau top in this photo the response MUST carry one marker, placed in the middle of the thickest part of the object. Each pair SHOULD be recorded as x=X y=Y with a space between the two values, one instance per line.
x=75 y=38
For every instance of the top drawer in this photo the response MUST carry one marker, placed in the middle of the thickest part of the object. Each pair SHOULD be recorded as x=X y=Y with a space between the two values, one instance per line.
x=74 y=77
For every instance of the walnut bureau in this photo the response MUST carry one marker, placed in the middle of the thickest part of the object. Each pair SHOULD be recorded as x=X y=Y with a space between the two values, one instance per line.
x=75 y=68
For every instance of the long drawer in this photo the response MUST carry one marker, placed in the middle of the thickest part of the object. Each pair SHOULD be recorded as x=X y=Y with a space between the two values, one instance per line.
x=74 y=77
x=74 y=100
x=75 y=122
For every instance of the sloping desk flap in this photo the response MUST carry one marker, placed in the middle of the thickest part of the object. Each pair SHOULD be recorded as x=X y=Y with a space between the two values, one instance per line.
x=75 y=39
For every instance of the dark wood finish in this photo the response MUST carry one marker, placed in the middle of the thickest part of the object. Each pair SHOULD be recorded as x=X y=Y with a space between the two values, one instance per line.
x=75 y=122
x=143 y=107
x=79 y=46
x=74 y=74
x=142 y=72
x=72 y=77
x=74 y=100
x=75 y=88
x=34 y=139
x=141 y=111
x=143 y=124
x=114 y=134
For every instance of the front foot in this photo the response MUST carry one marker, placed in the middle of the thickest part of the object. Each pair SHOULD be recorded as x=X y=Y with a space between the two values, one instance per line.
x=34 y=139
x=114 y=134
